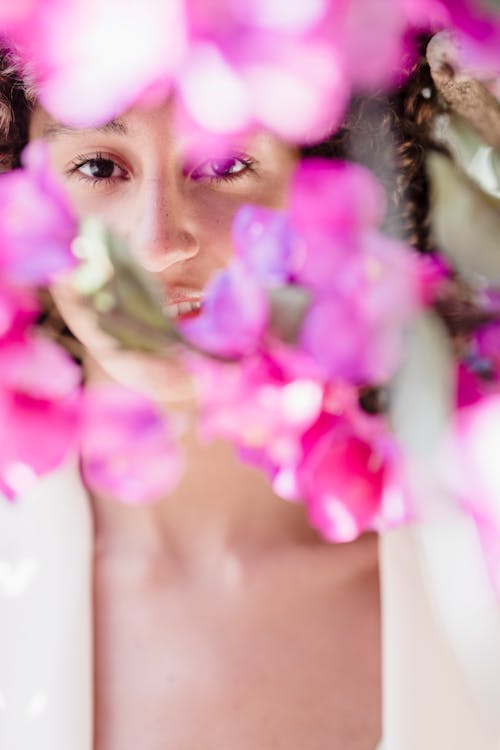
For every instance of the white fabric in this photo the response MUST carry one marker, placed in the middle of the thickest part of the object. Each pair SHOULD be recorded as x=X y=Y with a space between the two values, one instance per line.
x=441 y=619
x=440 y=629
x=441 y=640
x=46 y=617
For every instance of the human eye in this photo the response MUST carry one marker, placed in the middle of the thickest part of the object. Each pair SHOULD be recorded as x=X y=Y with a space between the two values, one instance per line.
x=223 y=169
x=97 y=169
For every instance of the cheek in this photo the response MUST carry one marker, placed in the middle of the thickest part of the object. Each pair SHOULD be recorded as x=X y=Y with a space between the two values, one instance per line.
x=117 y=209
x=163 y=380
x=213 y=221
x=81 y=320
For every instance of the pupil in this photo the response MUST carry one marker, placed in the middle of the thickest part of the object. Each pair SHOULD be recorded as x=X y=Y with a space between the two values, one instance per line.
x=102 y=168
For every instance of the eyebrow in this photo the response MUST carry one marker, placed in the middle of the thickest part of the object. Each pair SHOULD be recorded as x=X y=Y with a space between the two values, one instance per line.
x=56 y=129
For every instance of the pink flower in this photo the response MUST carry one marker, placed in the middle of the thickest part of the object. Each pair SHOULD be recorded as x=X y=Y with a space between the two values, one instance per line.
x=342 y=477
x=263 y=404
x=372 y=41
x=487 y=344
x=128 y=448
x=332 y=205
x=19 y=308
x=14 y=15
x=355 y=329
x=478 y=374
x=328 y=195
x=366 y=286
x=39 y=411
x=430 y=14
x=289 y=69
x=234 y=315
x=471 y=388
x=36 y=223
x=471 y=43
x=93 y=59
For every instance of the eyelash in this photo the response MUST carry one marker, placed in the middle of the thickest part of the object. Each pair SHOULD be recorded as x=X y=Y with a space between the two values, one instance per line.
x=81 y=160
x=247 y=162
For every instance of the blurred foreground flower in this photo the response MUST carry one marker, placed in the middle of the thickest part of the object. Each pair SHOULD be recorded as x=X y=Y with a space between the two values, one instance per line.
x=341 y=477
x=311 y=439
x=39 y=383
x=235 y=315
x=39 y=411
x=364 y=288
x=478 y=23
x=37 y=224
x=36 y=230
x=289 y=401
x=289 y=68
x=127 y=446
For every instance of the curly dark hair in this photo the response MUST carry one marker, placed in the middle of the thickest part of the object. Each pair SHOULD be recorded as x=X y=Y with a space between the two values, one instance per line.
x=17 y=98
x=391 y=135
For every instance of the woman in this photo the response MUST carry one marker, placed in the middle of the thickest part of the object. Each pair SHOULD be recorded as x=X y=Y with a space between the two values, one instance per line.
x=219 y=617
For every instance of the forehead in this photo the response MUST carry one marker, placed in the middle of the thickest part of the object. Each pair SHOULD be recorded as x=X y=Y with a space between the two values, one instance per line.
x=153 y=128
x=43 y=125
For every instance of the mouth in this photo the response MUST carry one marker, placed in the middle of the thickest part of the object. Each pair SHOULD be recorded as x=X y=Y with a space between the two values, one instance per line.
x=183 y=304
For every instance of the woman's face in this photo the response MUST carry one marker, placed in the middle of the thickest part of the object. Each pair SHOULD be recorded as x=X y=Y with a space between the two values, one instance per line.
x=140 y=177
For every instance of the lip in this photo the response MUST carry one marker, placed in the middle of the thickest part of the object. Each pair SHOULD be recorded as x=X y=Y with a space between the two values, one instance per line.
x=177 y=295
x=178 y=298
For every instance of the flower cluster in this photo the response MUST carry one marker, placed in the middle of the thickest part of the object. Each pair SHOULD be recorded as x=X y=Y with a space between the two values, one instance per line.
x=310 y=317
x=291 y=403
x=120 y=434
x=286 y=67
x=32 y=251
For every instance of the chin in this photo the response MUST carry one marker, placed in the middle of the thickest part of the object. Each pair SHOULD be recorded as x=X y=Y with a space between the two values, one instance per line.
x=163 y=380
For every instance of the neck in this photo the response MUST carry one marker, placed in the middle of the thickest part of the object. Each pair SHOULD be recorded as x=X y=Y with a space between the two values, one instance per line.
x=220 y=505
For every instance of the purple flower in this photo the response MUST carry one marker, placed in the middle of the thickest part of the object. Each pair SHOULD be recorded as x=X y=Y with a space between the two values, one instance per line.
x=478 y=375
x=36 y=223
x=487 y=345
x=332 y=206
x=266 y=245
x=355 y=329
x=128 y=447
x=233 y=317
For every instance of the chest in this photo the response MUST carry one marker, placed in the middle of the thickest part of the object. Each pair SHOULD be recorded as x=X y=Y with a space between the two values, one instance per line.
x=278 y=659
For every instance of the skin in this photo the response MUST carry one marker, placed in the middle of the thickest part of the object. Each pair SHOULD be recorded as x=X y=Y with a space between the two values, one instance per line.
x=220 y=617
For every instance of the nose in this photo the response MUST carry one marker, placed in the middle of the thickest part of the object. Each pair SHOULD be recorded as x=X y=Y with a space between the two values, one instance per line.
x=166 y=231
